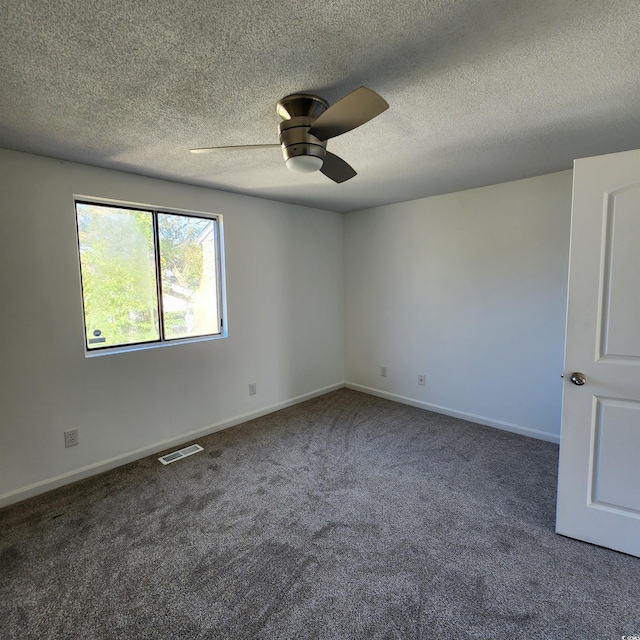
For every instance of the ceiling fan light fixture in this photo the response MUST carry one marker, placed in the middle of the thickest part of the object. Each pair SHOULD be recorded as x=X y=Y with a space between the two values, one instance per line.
x=308 y=122
x=304 y=164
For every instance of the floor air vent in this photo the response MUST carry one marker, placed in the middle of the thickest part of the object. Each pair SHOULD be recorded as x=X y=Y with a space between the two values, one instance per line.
x=181 y=453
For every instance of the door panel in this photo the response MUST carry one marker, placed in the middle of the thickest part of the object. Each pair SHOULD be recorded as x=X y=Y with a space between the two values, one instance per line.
x=598 y=481
x=614 y=458
x=620 y=300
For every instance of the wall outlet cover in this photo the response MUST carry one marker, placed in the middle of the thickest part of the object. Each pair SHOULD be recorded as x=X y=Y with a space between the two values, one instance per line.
x=70 y=437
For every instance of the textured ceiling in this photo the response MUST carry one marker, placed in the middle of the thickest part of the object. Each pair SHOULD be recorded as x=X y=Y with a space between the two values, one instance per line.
x=479 y=92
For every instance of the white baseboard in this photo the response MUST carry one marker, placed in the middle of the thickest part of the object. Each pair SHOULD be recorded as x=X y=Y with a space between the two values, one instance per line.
x=471 y=417
x=93 y=469
x=99 y=467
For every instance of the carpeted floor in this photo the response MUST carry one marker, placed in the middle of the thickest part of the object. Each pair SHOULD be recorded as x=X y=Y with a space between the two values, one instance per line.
x=347 y=516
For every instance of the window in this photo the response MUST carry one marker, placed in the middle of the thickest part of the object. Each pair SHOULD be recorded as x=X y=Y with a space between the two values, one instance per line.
x=148 y=276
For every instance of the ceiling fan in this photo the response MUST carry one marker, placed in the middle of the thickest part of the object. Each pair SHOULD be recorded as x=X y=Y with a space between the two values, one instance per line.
x=308 y=122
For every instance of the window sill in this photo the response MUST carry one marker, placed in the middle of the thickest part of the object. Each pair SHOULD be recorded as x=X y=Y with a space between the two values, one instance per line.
x=151 y=345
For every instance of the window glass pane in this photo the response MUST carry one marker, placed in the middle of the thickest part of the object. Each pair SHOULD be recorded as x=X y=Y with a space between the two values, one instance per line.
x=188 y=275
x=118 y=275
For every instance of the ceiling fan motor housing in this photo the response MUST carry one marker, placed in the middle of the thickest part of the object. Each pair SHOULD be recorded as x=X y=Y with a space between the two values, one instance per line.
x=300 y=111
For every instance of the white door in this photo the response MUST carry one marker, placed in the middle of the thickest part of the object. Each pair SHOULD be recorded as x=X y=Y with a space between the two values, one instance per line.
x=599 y=475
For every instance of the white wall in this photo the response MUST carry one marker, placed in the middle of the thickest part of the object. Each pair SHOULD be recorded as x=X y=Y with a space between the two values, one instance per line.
x=467 y=288
x=470 y=289
x=284 y=268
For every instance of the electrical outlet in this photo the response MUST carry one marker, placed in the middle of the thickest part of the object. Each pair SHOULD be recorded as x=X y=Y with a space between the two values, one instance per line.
x=422 y=379
x=383 y=372
x=70 y=437
x=253 y=389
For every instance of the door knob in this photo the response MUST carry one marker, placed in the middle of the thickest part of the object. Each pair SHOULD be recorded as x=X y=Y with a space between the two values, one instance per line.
x=578 y=378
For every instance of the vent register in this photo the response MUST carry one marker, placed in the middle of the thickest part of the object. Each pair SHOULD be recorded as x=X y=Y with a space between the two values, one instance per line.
x=181 y=453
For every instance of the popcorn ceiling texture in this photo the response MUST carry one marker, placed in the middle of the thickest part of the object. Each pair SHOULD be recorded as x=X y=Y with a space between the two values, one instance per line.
x=479 y=92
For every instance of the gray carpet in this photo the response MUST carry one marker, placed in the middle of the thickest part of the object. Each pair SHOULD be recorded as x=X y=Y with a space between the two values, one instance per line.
x=347 y=516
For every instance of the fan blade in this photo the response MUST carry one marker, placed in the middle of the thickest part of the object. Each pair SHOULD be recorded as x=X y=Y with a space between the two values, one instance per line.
x=336 y=168
x=239 y=146
x=350 y=112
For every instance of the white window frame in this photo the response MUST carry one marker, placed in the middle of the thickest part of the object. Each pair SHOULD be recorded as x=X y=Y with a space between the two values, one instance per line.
x=220 y=273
